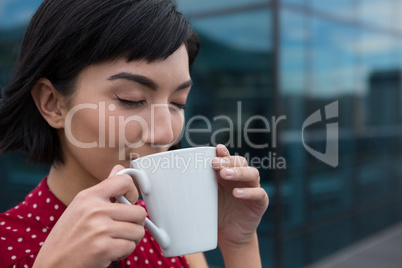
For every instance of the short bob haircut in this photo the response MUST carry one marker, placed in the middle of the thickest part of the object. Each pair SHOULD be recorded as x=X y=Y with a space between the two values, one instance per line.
x=64 y=37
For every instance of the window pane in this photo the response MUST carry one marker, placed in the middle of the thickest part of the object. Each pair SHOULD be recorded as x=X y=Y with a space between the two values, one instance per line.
x=332 y=60
x=233 y=79
x=382 y=81
x=16 y=13
x=18 y=176
x=340 y=8
x=332 y=68
x=377 y=13
x=233 y=83
x=293 y=40
x=246 y=31
x=195 y=6
x=298 y=2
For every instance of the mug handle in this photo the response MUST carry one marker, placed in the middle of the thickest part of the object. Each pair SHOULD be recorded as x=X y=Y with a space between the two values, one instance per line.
x=145 y=187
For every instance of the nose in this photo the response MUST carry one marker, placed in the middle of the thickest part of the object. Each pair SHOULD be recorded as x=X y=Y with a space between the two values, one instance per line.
x=160 y=126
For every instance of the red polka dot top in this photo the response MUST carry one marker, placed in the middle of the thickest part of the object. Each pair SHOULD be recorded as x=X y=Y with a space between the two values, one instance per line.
x=24 y=228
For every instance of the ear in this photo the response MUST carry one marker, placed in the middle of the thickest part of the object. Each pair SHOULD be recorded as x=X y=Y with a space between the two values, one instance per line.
x=49 y=102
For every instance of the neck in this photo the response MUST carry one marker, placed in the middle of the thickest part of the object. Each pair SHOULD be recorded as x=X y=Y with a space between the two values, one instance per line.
x=65 y=182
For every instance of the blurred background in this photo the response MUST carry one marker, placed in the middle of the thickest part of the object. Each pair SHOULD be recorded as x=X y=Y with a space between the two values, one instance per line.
x=286 y=58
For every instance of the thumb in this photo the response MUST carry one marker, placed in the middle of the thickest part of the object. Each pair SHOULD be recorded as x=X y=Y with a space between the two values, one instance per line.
x=115 y=169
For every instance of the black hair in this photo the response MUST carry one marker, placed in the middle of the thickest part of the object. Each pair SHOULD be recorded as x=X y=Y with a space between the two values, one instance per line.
x=64 y=37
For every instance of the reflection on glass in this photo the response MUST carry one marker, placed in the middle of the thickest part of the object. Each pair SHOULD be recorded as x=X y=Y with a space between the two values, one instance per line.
x=331 y=238
x=298 y=2
x=192 y=6
x=294 y=37
x=397 y=10
x=330 y=189
x=248 y=31
x=332 y=59
x=293 y=41
x=18 y=177
x=17 y=13
x=340 y=8
x=377 y=13
x=379 y=69
x=332 y=78
x=233 y=65
x=233 y=80
x=14 y=17
x=233 y=83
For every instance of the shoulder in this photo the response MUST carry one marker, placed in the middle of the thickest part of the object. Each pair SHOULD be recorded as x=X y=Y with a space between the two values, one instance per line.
x=24 y=228
x=21 y=236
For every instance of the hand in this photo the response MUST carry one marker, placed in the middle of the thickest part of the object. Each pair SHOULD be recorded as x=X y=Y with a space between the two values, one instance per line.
x=94 y=231
x=242 y=201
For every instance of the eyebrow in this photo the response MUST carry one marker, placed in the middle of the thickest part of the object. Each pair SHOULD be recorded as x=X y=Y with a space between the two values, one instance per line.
x=145 y=81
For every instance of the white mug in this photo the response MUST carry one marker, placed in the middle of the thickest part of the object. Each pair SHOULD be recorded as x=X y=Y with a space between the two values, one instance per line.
x=180 y=191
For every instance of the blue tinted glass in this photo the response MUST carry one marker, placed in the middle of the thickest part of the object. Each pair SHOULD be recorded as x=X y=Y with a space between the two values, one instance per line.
x=299 y=2
x=294 y=36
x=333 y=57
x=332 y=77
x=232 y=83
x=15 y=13
x=382 y=79
x=294 y=39
x=293 y=42
x=233 y=66
x=17 y=176
x=340 y=8
x=378 y=13
x=195 y=6
x=250 y=31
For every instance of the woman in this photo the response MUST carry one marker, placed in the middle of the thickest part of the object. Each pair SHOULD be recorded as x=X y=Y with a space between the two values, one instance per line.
x=85 y=68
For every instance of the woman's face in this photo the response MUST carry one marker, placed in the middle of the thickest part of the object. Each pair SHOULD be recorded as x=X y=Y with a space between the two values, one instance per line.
x=122 y=110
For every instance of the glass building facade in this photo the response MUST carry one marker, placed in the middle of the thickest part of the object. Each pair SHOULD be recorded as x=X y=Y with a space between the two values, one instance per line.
x=310 y=91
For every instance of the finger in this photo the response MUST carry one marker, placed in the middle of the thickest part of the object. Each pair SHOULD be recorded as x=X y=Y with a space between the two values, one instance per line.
x=222 y=151
x=117 y=185
x=128 y=231
x=120 y=248
x=123 y=213
x=253 y=194
x=243 y=174
x=115 y=169
x=229 y=161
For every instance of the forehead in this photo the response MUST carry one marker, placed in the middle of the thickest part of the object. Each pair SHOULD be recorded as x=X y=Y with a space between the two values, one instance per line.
x=166 y=74
x=176 y=65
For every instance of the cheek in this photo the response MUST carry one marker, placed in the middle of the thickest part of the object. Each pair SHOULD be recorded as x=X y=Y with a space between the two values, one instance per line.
x=122 y=129
x=177 y=123
x=130 y=129
x=82 y=127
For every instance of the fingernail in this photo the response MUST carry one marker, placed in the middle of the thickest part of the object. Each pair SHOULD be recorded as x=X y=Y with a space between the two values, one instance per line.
x=229 y=172
x=239 y=192
x=113 y=171
x=223 y=147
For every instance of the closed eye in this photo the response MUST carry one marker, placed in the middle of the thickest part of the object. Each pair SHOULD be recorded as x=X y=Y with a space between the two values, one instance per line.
x=130 y=103
x=180 y=106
